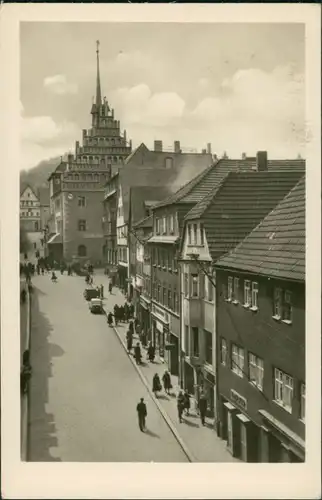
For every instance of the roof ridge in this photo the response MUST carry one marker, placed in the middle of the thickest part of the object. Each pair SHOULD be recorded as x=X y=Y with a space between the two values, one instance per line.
x=176 y=197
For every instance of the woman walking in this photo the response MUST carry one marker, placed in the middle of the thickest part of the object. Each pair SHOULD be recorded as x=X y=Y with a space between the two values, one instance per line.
x=186 y=401
x=156 y=385
x=167 y=382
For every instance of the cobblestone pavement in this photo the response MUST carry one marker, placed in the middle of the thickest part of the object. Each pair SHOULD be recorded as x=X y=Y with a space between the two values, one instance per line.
x=202 y=442
x=84 y=389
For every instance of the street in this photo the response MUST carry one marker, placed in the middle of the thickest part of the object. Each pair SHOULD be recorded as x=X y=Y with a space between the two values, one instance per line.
x=84 y=388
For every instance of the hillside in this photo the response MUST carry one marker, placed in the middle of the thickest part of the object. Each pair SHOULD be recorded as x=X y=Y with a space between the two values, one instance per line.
x=38 y=175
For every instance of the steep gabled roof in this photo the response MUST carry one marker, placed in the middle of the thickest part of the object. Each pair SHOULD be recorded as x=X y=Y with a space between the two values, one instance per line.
x=141 y=148
x=235 y=207
x=276 y=247
x=212 y=177
x=25 y=186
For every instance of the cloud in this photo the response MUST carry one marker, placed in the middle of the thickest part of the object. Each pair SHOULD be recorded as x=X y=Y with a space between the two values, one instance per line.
x=137 y=105
x=256 y=109
x=43 y=138
x=59 y=85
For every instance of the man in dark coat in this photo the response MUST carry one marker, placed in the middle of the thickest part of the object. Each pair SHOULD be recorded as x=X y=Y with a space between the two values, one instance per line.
x=142 y=414
x=129 y=341
x=203 y=407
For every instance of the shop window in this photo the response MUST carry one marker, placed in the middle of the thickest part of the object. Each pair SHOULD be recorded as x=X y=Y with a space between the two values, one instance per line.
x=283 y=390
x=223 y=351
x=237 y=360
x=82 y=225
x=195 y=339
x=302 y=402
x=256 y=371
x=82 y=252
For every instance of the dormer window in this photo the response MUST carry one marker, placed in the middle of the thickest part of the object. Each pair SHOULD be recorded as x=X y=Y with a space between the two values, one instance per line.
x=168 y=163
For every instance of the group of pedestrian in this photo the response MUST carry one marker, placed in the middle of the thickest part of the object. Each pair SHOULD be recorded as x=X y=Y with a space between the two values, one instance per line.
x=183 y=404
x=156 y=383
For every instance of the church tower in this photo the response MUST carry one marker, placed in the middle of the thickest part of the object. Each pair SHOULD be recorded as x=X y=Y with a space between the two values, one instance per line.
x=77 y=185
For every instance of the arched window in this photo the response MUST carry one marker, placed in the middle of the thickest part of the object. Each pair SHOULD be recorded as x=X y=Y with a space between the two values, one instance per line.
x=82 y=252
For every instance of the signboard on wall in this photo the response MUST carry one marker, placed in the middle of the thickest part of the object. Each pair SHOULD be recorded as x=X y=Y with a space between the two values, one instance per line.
x=238 y=399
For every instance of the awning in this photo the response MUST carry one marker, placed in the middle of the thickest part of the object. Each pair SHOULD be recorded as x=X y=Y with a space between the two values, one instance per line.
x=57 y=238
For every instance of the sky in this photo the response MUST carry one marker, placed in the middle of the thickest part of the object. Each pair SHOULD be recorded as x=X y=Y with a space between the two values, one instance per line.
x=240 y=87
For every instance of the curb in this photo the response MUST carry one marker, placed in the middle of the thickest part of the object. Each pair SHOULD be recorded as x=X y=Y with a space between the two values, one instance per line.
x=25 y=398
x=164 y=414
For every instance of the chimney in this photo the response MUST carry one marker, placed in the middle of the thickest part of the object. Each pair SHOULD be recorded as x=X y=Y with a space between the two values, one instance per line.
x=244 y=156
x=261 y=161
x=225 y=156
x=158 y=146
x=177 y=147
x=209 y=148
x=203 y=151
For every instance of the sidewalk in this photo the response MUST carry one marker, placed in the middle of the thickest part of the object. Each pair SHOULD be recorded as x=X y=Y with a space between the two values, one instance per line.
x=202 y=442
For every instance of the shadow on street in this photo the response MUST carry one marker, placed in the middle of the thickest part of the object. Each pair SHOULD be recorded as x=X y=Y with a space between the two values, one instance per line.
x=42 y=429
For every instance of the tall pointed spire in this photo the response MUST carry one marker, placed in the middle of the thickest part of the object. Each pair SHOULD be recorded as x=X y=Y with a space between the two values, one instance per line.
x=98 y=81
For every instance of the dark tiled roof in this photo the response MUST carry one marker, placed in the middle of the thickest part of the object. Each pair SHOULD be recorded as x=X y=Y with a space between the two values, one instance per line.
x=240 y=204
x=211 y=178
x=276 y=247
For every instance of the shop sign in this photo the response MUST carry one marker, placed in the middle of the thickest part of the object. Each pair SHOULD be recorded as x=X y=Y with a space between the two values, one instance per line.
x=157 y=311
x=238 y=399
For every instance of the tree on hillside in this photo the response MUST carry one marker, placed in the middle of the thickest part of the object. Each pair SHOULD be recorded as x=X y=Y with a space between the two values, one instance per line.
x=25 y=243
x=38 y=175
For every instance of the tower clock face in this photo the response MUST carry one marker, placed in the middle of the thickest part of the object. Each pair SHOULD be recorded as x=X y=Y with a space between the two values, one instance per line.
x=70 y=196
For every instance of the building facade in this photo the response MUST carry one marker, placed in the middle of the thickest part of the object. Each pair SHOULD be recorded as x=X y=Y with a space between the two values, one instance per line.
x=30 y=218
x=261 y=338
x=212 y=227
x=77 y=186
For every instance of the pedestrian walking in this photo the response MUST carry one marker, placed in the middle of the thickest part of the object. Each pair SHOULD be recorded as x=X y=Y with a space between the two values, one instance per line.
x=202 y=406
x=137 y=354
x=116 y=313
x=156 y=385
x=180 y=405
x=186 y=401
x=131 y=310
x=142 y=414
x=53 y=277
x=151 y=352
x=43 y=271
x=129 y=341
x=110 y=319
x=126 y=312
x=166 y=379
x=131 y=327
x=121 y=312
x=110 y=288
x=136 y=322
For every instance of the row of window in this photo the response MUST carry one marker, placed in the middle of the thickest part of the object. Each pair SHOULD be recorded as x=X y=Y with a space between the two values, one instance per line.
x=282 y=301
x=122 y=232
x=97 y=159
x=29 y=214
x=192 y=286
x=283 y=383
x=122 y=254
x=167 y=297
x=84 y=177
x=97 y=140
x=165 y=259
x=26 y=203
x=196 y=234
x=166 y=225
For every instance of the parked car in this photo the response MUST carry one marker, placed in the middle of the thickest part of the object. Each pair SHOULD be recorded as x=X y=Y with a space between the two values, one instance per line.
x=96 y=306
x=91 y=293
